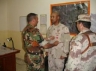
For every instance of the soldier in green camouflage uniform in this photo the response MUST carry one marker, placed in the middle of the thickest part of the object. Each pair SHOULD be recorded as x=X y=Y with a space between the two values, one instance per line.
x=31 y=37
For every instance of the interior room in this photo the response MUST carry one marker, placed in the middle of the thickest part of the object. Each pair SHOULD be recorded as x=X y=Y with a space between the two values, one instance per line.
x=12 y=10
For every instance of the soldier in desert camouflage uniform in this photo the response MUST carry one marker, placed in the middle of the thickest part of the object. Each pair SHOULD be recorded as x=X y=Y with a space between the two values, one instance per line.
x=31 y=37
x=58 y=37
x=82 y=55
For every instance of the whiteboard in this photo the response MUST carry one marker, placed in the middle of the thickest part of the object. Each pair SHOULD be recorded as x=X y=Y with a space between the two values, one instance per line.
x=23 y=22
x=93 y=22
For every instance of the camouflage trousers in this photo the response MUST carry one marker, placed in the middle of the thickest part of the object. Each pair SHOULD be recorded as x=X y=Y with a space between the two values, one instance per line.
x=34 y=62
x=55 y=64
x=30 y=68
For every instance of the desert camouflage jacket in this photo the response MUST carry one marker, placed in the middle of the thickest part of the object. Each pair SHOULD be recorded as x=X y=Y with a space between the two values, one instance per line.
x=61 y=34
x=80 y=58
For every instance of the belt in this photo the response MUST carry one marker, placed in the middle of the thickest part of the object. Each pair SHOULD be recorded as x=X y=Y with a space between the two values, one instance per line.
x=33 y=53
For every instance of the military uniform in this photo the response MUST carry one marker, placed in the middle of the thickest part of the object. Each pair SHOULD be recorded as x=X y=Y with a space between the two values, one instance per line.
x=34 y=55
x=82 y=56
x=61 y=34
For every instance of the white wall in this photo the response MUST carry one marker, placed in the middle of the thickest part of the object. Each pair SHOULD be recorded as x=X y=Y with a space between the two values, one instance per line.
x=93 y=6
x=3 y=15
x=3 y=22
x=19 y=8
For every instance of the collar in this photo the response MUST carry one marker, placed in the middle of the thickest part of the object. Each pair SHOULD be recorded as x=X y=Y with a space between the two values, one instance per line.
x=30 y=26
x=84 y=31
x=57 y=25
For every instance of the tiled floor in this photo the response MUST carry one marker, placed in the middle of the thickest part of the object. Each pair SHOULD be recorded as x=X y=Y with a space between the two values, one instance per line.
x=20 y=65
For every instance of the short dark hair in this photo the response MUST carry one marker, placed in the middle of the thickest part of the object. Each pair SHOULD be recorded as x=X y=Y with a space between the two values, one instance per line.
x=85 y=24
x=31 y=16
x=56 y=13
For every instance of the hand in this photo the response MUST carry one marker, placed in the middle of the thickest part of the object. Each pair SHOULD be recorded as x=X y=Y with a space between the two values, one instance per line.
x=56 y=43
x=46 y=46
x=62 y=57
x=50 y=38
x=35 y=43
x=46 y=53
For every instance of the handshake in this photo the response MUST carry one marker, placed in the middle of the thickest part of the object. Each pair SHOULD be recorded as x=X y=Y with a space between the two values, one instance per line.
x=46 y=43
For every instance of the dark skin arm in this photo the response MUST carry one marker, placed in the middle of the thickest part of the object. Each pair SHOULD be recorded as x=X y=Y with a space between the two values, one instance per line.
x=48 y=45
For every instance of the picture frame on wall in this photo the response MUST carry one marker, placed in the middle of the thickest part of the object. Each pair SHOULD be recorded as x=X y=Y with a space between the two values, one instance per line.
x=69 y=13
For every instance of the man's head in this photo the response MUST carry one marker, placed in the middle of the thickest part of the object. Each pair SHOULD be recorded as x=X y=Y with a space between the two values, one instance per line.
x=83 y=22
x=55 y=17
x=32 y=19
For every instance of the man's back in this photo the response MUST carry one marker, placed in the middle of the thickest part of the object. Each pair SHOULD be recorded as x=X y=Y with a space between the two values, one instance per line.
x=88 y=59
x=82 y=57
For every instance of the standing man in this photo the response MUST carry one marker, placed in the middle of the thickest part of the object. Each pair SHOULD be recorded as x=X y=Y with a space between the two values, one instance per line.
x=31 y=37
x=58 y=36
x=82 y=55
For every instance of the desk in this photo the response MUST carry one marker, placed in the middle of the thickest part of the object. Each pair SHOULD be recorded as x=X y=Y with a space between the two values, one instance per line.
x=8 y=59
